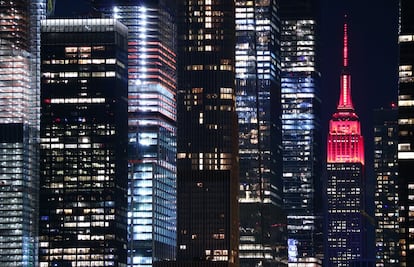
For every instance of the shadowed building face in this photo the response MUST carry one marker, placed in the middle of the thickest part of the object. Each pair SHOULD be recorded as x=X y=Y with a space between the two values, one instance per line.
x=207 y=163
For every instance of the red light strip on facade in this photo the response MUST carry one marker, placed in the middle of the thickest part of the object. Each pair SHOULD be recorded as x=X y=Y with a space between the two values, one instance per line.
x=345 y=45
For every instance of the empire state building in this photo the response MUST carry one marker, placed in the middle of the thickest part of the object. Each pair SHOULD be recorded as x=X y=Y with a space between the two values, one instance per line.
x=345 y=169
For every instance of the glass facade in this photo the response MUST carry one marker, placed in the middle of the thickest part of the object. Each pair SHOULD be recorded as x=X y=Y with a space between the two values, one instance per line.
x=207 y=148
x=19 y=90
x=345 y=237
x=301 y=131
x=152 y=129
x=386 y=195
x=83 y=143
x=406 y=132
x=262 y=221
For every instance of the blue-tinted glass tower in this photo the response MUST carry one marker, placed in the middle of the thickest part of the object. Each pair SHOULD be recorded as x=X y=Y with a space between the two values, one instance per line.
x=301 y=130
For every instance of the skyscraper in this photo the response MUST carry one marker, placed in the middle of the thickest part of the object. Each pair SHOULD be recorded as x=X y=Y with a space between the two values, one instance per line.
x=19 y=124
x=386 y=191
x=152 y=129
x=207 y=158
x=301 y=130
x=345 y=177
x=406 y=132
x=83 y=130
x=262 y=221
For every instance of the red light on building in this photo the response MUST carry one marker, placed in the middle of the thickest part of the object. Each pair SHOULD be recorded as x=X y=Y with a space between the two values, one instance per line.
x=345 y=142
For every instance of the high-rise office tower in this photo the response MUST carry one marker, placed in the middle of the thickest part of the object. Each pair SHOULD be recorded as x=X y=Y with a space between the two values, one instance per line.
x=386 y=194
x=406 y=132
x=262 y=240
x=152 y=129
x=345 y=181
x=19 y=119
x=207 y=148
x=301 y=135
x=83 y=130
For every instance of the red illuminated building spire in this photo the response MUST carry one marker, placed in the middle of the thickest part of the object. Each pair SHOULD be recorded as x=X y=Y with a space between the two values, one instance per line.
x=345 y=100
x=345 y=142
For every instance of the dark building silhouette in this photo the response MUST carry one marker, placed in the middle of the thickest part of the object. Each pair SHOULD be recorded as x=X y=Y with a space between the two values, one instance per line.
x=19 y=123
x=83 y=130
x=386 y=191
x=207 y=148
x=345 y=237
x=262 y=221
x=406 y=132
x=301 y=130
x=152 y=129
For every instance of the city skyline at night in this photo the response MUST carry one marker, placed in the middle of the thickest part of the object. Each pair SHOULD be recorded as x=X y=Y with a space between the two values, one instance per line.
x=301 y=130
x=262 y=221
x=137 y=133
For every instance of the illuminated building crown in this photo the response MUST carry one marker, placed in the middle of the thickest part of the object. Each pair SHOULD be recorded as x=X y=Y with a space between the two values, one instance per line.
x=345 y=142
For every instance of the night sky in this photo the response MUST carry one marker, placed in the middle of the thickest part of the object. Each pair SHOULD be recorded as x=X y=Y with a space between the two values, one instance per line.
x=373 y=57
